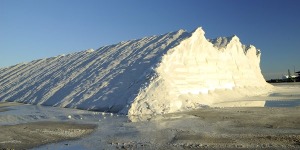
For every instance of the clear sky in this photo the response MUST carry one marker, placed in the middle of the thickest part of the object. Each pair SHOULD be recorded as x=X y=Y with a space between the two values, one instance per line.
x=34 y=29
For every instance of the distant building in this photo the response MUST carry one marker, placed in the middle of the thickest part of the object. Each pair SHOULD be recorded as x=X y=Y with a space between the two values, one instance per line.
x=298 y=77
x=287 y=78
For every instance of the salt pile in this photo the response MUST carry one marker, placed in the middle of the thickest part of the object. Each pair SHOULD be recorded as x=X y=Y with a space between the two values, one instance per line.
x=153 y=75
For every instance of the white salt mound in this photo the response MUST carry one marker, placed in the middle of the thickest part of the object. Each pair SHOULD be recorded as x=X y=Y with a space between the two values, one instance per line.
x=153 y=75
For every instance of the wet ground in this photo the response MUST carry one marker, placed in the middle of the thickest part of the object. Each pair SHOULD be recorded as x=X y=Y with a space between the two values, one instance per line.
x=251 y=128
x=273 y=125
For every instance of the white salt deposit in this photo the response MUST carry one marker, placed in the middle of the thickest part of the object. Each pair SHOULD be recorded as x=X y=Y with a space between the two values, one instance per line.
x=197 y=72
x=153 y=75
x=90 y=50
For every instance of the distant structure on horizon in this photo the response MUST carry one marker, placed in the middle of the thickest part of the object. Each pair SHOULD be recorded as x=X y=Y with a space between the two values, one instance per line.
x=287 y=78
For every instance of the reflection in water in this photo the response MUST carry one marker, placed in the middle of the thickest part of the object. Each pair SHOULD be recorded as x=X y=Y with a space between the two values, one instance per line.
x=284 y=103
x=248 y=103
x=241 y=104
x=263 y=103
x=169 y=116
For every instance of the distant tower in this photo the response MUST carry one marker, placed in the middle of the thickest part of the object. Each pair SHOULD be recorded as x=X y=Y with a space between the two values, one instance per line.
x=289 y=74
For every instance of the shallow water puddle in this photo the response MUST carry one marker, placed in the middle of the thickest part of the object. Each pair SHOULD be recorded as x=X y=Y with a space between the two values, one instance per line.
x=283 y=103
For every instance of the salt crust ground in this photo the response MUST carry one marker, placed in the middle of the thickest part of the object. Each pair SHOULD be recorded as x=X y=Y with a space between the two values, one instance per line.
x=214 y=128
x=29 y=135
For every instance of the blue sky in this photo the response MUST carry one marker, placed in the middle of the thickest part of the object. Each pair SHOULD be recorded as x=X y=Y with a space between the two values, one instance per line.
x=34 y=29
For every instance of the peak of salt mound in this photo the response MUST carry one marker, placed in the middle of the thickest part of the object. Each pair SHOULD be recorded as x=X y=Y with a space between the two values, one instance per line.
x=222 y=42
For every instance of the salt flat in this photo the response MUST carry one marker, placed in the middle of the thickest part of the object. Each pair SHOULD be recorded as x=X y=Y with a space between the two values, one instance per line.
x=273 y=126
